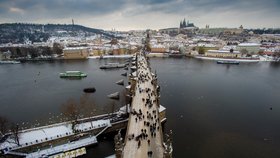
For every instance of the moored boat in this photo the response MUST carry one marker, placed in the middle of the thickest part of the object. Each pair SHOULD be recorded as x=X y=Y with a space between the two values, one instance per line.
x=227 y=62
x=243 y=59
x=175 y=54
x=72 y=74
x=112 y=66
x=89 y=90
x=9 y=62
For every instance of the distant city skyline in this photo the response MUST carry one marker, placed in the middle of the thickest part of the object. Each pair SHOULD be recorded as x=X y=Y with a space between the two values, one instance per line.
x=143 y=14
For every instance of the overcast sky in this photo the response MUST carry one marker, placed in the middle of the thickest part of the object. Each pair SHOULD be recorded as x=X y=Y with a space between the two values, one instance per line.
x=143 y=14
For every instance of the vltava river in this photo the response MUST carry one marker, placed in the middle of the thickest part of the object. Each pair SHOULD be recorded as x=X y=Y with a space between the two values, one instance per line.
x=215 y=111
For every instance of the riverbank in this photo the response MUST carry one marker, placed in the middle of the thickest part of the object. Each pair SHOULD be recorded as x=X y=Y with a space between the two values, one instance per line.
x=162 y=55
x=110 y=56
x=228 y=59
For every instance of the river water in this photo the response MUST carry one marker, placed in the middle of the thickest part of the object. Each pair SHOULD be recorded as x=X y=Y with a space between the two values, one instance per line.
x=219 y=111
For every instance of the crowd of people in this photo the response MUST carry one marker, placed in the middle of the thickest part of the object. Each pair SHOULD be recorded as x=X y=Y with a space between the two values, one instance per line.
x=147 y=116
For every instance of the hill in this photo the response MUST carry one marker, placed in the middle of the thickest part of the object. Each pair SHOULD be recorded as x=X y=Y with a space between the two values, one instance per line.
x=20 y=32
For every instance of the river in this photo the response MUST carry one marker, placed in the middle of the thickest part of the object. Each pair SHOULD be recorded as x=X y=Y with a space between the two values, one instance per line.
x=228 y=111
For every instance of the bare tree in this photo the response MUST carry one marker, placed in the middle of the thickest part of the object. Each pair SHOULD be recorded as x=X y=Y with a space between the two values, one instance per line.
x=3 y=126
x=277 y=55
x=57 y=48
x=243 y=51
x=71 y=111
x=201 y=50
x=87 y=105
x=15 y=133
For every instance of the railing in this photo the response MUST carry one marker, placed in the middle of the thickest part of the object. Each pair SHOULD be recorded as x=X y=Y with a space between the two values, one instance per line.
x=64 y=147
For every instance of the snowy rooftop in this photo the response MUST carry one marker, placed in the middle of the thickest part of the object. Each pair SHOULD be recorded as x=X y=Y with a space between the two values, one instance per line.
x=75 y=48
x=249 y=44
x=158 y=46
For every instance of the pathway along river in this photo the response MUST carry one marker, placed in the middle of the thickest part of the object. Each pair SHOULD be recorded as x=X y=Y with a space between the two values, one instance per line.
x=227 y=111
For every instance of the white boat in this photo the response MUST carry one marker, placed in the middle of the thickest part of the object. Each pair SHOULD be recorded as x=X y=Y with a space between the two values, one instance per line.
x=112 y=65
x=228 y=62
x=72 y=74
x=268 y=58
x=244 y=59
x=9 y=62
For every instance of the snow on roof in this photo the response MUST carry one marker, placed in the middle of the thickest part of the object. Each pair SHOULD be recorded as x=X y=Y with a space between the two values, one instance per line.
x=75 y=48
x=44 y=133
x=158 y=46
x=206 y=45
x=249 y=44
x=133 y=43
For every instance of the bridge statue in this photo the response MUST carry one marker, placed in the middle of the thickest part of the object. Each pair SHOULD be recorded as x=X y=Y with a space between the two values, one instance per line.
x=168 y=145
x=118 y=144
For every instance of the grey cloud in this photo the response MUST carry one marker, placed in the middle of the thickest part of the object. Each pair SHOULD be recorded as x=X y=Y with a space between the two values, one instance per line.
x=210 y=5
x=64 y=9
x=61 y=8
x=153 y=1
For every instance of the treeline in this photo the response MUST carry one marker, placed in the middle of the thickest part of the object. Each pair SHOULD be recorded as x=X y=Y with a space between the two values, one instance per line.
x=265 y=31
x=49 y=27
x=33 y=51
x=6 y=126
x=19 y=32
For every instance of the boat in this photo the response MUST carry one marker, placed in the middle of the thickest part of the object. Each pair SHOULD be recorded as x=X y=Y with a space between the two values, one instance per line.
x=9 y=62
x=89 y=90
x=227 y=62
x=114 y=96
x=72 y=74
x=112 y=66
x=175 y=54
x=120 y=82
x=243 y=59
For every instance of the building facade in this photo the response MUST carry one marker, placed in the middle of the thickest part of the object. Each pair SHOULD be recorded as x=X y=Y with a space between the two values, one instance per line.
x=76 y=53
x=223 y=54
x=249 y=48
